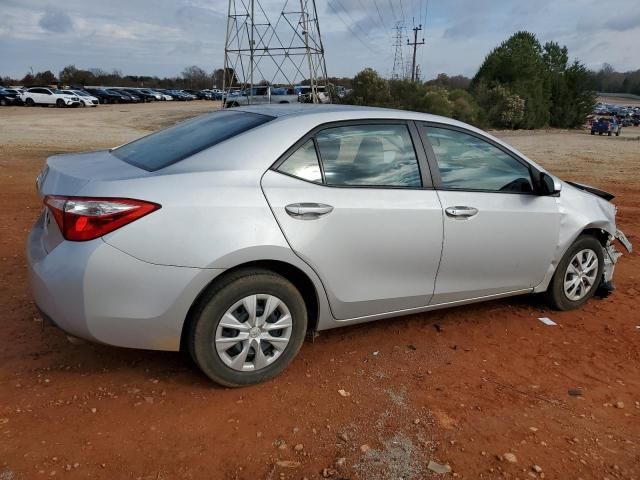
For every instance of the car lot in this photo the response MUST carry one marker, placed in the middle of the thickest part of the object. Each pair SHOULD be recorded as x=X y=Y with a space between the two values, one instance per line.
x=444 y=386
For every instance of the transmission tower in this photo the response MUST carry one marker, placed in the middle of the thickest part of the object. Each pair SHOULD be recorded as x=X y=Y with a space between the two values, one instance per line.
x=285 y=52
x=399 y=70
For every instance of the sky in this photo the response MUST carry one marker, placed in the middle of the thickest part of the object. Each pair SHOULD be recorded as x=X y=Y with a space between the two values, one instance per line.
x=162 y=37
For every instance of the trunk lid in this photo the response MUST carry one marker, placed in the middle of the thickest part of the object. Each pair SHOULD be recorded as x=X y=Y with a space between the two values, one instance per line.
x=67 y=174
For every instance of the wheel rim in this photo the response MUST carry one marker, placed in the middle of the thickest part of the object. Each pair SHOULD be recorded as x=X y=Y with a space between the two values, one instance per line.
x=581 y=274
x=253 y=332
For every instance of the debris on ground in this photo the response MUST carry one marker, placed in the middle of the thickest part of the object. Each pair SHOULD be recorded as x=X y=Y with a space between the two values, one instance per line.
x=438 y=467
x=510 y=457
x=547 y=321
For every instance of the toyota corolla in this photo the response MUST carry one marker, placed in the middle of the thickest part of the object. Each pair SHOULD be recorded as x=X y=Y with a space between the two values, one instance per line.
x=234 y=234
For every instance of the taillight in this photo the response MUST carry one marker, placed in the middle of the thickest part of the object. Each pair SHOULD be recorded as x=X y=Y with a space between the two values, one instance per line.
x=86 y=218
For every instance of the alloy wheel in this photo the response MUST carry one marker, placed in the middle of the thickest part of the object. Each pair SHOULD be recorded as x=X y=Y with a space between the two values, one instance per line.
x=581 y=274
x=253 y=332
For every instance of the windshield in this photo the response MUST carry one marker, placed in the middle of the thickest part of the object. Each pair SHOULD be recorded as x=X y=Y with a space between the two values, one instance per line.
x=166 y=147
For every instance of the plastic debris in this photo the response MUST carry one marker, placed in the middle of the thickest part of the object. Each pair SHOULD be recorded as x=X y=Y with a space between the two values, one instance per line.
x=547 y=321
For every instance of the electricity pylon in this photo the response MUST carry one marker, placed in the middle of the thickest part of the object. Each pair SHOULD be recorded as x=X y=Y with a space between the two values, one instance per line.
x=258 y=51
x=399 y=71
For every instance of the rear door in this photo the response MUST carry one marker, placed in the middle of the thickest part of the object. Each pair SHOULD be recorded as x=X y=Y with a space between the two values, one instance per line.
x=355 y=202
x=47 y=97
x=499 y=235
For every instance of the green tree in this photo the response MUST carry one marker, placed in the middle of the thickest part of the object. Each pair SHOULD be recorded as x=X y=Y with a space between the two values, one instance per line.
x=518 y=65
x=369 y=88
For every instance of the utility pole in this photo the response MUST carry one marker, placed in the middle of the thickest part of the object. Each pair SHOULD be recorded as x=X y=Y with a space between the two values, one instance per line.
x=415 y=46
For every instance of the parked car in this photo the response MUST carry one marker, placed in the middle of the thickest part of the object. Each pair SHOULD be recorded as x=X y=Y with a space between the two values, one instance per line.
x=235 y=233
x=156 y=95
x=606 y=125
x=259 y=96
x=9 y=96
x=144 y=97
x=122 y=96
x=199 y=94
x=178 y=95
x=85 y=99
x=104 y=95
x=48 y=96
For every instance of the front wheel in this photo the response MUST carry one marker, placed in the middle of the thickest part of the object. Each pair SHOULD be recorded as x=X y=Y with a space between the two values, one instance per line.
x=60 y=103
x=248 y=328
x=29 y=102
x=578 y=274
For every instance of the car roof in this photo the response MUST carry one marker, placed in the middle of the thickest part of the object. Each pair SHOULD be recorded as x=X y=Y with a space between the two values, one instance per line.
x=343 y=112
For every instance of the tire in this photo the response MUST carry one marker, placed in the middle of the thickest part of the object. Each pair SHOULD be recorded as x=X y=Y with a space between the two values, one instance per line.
x=60 y=103
x=592 y=132
x=29 y=102
x=609 y=134
x=618 y=133
x=218 y=302
x=556 y=293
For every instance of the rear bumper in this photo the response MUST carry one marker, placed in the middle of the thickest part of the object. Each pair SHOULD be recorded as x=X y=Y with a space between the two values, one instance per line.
x=94 y=291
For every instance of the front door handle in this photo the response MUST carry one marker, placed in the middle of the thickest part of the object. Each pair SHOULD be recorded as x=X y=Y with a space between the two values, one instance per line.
x=461 y=213
x=308 y=211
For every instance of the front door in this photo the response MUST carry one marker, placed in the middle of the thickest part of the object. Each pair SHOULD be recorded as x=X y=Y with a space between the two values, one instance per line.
x=361 y=216
x=499 y=235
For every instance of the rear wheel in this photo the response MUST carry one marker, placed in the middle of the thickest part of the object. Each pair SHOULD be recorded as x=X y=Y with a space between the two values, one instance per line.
x=578 y=274
x=592 y=132
x=248 y=328
x=3 y=102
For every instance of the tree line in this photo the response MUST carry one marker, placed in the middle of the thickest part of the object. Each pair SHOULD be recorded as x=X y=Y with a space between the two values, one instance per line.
x=192 y=77
x=607 y=80
x=520 y=84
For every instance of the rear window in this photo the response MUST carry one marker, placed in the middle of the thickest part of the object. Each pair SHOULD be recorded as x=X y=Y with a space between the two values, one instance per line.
x=163 y=148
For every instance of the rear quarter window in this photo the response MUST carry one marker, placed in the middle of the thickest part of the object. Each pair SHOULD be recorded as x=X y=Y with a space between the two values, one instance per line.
x=171 y=145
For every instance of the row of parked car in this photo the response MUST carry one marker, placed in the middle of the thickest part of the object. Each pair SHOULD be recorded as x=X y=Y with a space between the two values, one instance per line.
x=93 y=96
x=627 y=116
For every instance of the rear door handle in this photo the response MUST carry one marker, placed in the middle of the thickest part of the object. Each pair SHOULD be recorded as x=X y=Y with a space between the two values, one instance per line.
x=308 y=211
x=461 y=212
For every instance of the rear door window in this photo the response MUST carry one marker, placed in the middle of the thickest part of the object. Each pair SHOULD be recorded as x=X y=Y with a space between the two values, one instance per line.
x=168 y=146
x=369 y=155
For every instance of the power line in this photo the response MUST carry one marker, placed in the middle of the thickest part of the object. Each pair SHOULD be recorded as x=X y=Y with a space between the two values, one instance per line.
x=379 y=14
x=393 y=11
x=349 y=27
x=353 y=22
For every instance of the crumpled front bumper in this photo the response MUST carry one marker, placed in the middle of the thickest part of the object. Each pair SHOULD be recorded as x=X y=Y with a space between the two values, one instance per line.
x=611 y=255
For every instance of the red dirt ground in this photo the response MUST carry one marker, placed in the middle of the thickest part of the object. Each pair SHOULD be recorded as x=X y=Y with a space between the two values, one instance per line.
x=459 y=387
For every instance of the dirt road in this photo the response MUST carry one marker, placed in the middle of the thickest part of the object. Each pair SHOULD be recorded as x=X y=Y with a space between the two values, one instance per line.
x=461 y=387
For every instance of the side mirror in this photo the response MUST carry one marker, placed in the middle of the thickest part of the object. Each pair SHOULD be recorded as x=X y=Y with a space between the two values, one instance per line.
x=549 y=185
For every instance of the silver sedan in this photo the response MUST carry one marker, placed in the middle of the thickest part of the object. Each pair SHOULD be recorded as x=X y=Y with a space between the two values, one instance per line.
x=234 y=234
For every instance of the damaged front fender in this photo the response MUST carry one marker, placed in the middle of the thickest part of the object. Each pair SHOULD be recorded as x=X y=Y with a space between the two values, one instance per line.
x=581 y=211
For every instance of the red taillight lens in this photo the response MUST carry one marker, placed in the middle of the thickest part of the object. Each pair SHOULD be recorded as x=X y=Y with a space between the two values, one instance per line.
x=86 y=218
